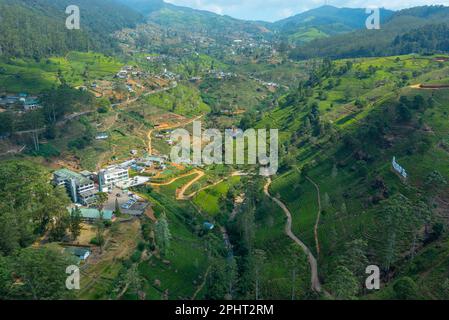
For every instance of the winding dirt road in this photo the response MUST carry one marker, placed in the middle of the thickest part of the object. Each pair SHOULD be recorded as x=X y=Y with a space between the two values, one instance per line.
x=174 y=179
x=181 y=194
x=317 y=222
x=315 y=281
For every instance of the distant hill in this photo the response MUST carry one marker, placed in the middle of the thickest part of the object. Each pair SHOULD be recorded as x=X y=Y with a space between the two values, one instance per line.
x=415 y=30
x=323 y=22
x=37 y=28
x=317 y=23
x=329 y=19
x=193 y=20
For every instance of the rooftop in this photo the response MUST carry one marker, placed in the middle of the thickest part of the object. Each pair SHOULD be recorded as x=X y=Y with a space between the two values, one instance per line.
x=78 y=251
x=94 y=213
x=66 y=174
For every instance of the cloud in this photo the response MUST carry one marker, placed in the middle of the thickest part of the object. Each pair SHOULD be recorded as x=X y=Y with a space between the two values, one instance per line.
x=272 y=10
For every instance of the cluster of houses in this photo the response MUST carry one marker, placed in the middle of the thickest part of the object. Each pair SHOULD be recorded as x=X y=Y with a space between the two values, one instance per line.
x=124 y=73
x=166 y=135
x=170 y=75
x=23 y=101
x=127 y=71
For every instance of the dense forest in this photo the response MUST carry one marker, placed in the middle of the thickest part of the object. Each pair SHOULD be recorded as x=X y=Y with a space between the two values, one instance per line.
x=416 y=30
x=30 y=29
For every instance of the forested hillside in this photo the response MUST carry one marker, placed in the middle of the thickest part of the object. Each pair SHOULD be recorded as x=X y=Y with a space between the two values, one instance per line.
x=323 y=22
x=37 y=29
x=416 y=30
x=180 y=19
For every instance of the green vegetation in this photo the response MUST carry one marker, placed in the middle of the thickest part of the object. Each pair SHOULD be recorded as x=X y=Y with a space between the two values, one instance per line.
x=361 y=197
x=183 y=100
x=232 y=95
x=76 y=68
x=404 y=32
x=209 y=199
x=175 y=270
x=341 y=122
x=24 y=24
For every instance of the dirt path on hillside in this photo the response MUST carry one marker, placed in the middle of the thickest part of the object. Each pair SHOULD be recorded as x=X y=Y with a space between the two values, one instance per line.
x=173 y=180
x=198 y=290
x=317 y=222
x=180 y=195
x=422 y=86
x=315 y=281
x=150 y=141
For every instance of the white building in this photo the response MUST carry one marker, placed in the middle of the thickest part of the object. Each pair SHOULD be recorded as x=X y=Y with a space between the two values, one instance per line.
x=133 y=182
x=110 y=176
x=80 y=188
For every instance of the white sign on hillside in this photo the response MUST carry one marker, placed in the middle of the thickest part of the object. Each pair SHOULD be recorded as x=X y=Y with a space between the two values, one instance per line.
x=399 y=169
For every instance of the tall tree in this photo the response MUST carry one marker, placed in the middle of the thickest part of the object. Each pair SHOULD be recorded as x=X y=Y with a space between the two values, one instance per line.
x=28 y=204
x=75 y=223
x=162 y=233
x=41 y=273
x=34 y=122
x=343 y=284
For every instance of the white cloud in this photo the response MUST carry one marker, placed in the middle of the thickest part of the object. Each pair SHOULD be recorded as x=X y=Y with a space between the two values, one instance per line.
x=271 y=10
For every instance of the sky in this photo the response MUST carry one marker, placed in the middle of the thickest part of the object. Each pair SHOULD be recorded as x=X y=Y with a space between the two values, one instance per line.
x=273 y=10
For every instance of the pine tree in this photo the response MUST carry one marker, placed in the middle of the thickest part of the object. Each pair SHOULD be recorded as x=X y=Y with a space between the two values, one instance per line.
x=75 y=223
x=334 y=171
x=117 y=211
x=344 y=210
x=326 y=201
x=162 y=233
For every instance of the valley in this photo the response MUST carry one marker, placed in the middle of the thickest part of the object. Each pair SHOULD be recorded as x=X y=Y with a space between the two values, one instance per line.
x=86 y=135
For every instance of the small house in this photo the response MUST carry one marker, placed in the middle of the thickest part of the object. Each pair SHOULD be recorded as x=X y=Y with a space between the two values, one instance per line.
x=80 y=253
x=102 y=136
x=208 y=226
x=30 y=103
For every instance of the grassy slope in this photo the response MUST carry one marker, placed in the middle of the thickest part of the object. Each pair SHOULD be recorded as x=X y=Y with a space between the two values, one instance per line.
x=27 y=75
x=184 y=100
x=237 y=93
x=187 y=255
x=301 y=198
x=209 y=199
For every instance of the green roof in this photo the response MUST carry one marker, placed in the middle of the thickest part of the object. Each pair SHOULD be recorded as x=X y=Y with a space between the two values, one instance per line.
x=31 y=101
x=68 y=175
x=94 y=213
